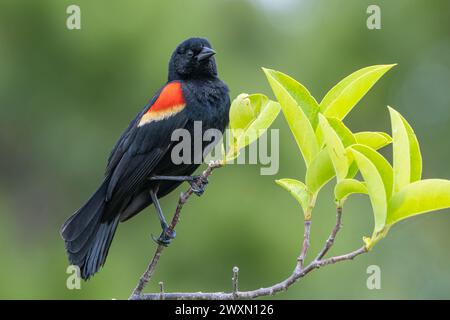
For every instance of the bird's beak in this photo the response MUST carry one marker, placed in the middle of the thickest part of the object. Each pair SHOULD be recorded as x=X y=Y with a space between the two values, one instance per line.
x=206 y=53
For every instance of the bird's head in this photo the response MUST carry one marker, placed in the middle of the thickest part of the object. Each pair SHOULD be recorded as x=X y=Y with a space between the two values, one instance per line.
x=192 y=59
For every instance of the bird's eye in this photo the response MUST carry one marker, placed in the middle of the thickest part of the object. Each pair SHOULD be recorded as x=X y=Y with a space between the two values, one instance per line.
x=190 y=53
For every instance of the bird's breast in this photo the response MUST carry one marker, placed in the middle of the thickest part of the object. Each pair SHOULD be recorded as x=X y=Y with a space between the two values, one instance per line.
x=208 y=101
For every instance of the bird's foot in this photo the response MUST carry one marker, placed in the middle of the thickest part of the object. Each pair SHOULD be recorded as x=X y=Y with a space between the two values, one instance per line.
x=166 y=237
x=198 y=184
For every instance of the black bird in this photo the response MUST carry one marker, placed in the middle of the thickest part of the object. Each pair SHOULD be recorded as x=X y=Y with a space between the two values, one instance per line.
x=140 y=168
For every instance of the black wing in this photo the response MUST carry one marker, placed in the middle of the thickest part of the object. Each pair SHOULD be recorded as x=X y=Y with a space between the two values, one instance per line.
x=136 y=154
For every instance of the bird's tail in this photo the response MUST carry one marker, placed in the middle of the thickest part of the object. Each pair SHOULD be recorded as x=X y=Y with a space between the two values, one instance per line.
x=87 y=236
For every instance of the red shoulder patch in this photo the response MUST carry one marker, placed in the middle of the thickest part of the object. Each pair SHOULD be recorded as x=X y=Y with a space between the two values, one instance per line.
x=169 y=102
x=170 y=96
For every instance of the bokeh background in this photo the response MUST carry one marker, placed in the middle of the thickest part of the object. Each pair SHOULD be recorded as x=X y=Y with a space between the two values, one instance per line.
x=65 y=96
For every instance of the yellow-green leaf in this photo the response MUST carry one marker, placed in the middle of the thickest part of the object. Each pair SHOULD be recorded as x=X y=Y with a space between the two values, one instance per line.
x=241 y=112
x=352 y=169
x=407 y=158
x=250 y=116
x=299 y=191
x=295 y=116
x=300 y=94
x=382 y=165
x=419 y=197
x=346 y=187
x=377 y=174
x=335 y=148
x=319 y=172
x=345 y=95
x=321 y=169
x=342 y=131
x=414 y=153
x=375 y=140
x=401 y=159
x=260 y=124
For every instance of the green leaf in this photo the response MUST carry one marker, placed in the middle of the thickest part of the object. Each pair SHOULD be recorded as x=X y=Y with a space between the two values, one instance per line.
x=335 y=147
x=298 y=121
x=414 y=153
x=346 y=187
x=342 y=131
x=375 y=140
x=319 y=172
x=321 y=169
x=347 y=139
x=261 y=123
x=340 y=100
x=382 y=165
x=377 y=174
x=300 y=94
x=401 y=159
x=352 y=169
x=419 y=197
x=250 y=117
x=299 y=191
x=407 y=159
x=241 y=112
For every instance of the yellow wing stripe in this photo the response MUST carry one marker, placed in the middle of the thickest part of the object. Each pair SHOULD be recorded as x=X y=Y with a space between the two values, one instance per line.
x=157 y=115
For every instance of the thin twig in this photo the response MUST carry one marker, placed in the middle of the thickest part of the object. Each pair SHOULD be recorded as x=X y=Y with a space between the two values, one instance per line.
x=305 y=246
x=235 y=281
x=332 y=236
x=344 y=257
x=148 y=272
x=145 y=278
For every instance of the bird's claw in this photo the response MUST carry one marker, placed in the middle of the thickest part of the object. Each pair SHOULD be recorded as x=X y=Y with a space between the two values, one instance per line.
x=166 y=237
x=198 y=185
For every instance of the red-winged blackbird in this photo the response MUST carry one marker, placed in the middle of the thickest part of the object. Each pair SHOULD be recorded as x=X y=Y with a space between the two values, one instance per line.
x=140 y=167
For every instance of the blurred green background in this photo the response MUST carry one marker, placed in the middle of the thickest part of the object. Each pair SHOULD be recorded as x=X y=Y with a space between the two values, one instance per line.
x=65 y=96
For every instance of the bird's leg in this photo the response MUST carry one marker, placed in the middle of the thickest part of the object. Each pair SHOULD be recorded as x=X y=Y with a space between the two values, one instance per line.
x=167 y=233
x=198 y=183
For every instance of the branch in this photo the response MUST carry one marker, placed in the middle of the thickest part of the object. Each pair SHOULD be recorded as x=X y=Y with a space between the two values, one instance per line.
x=305 y=246
x=184 y=197
x=298 y=273
x=330 y=240
x=344 y=257
x=272 y=290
